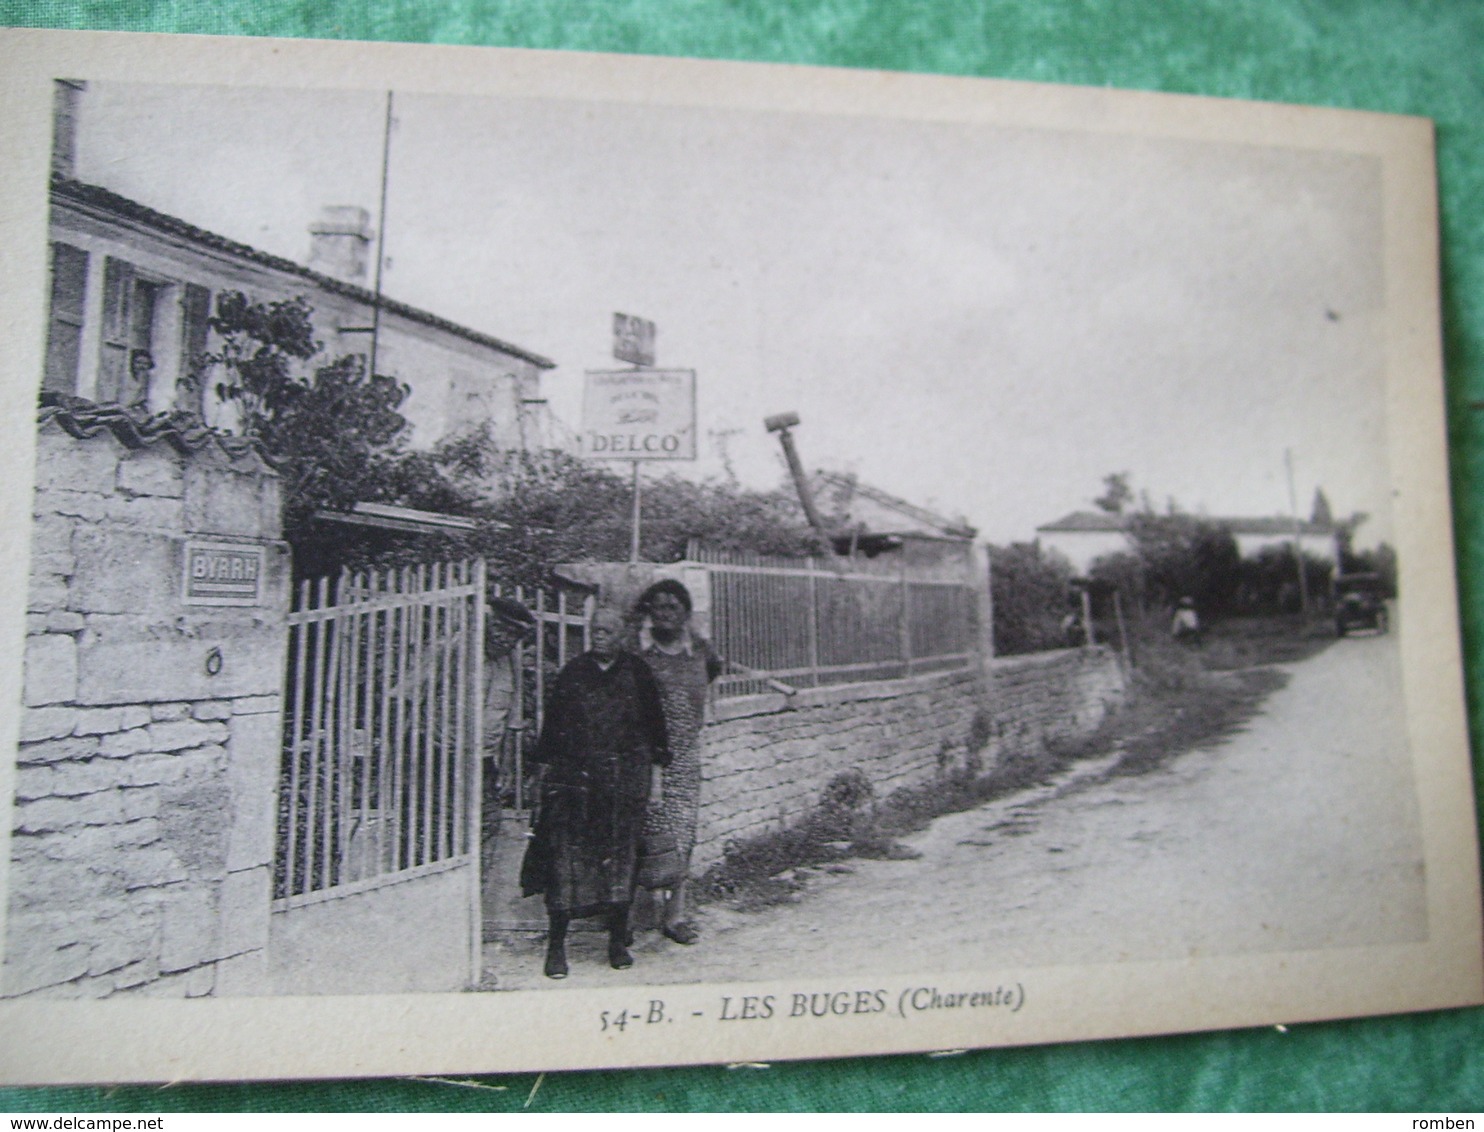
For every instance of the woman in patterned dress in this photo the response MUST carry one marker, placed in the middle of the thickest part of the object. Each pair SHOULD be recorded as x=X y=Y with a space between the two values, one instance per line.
x=683 y=665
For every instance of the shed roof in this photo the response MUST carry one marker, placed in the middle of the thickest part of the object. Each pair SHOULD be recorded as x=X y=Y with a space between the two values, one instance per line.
x=846 y=487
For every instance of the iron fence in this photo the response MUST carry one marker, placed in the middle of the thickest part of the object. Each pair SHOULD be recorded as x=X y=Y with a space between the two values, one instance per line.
x=808 y=622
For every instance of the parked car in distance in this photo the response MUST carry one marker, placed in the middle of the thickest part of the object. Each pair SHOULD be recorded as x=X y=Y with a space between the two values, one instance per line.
x=1360 y=603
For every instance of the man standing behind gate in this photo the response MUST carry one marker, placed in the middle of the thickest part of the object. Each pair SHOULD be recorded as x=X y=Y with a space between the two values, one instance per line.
x=603 y=735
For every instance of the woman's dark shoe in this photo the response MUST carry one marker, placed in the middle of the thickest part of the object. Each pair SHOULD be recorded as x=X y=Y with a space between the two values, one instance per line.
x=681 y=933
x=618 y=956
x=556 y=962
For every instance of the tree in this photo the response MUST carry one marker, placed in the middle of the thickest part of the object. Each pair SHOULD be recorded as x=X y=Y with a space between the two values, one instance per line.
x=336 y=434
x=255 y=369
x=337 y=443
x=1380 y=560
x=1117 y=494
x=1345 y=542
x=1031 y=590
x=1269 y=581
x=1186 y=556
x=1320 y=514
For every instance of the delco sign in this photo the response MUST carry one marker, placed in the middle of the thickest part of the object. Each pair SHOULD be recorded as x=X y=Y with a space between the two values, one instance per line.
x=639 y=415
x=223 y=573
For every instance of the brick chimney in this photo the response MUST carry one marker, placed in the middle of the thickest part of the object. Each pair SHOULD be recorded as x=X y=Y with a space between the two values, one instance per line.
x=340 y=242
x=66 y=96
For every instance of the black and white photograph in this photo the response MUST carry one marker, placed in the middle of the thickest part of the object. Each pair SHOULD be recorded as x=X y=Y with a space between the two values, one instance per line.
x=613 y=562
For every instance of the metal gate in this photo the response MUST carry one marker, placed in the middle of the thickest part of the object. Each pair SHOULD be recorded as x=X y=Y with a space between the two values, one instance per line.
x=376 y=879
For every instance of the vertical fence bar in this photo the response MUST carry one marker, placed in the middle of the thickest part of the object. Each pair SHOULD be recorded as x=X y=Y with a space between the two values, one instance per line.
x=365 y=717
x=906 y=626
x=328 y=754
x=462 y=704
x=447 y=741
x=437 y=709
x=317 y=698
x=346 y=820
x=474 y=769
x=360 y=723
x=412 y=789
x=385 y=740
x=540 y=660
x=407 y=775
x=402 y=742
x=429 y=705
x=296 y=752
x=345 y=728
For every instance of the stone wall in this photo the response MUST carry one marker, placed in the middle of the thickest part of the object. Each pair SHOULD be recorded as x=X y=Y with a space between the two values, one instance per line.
x=142 y=838
x=769 y=758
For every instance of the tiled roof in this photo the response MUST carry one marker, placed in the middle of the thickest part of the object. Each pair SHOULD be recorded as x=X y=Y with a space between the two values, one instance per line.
x=82 y=419
x=106 y=201
x=849 y=485
x=1102 y=521
x=1272 y=525
x=1086 y=521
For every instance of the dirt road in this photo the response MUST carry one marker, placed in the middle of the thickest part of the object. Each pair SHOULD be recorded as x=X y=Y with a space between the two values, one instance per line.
x=1299 y=832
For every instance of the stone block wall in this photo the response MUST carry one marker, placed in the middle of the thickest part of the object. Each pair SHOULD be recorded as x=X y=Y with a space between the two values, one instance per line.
x=143 y=824
x=767 y=759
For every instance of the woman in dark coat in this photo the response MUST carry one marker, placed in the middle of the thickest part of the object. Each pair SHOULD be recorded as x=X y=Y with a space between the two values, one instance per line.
x=603 y=735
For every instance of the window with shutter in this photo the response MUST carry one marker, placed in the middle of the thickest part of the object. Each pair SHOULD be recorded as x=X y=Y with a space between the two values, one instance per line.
x=64 y=325
x=195 y=305
x=113 y=359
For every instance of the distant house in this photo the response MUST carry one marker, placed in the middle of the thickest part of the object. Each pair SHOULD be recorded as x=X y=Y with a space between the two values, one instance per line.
x=869 y=521
x=1085 y=536
x=131 y=292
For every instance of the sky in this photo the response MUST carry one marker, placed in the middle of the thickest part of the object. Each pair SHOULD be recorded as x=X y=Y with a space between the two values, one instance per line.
x=983 y=320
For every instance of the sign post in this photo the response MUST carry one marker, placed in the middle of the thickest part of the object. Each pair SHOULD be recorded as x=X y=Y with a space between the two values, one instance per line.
x=634 y=526
x=638 y=414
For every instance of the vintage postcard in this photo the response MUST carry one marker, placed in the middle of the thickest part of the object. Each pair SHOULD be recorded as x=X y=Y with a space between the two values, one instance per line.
x=526 y=561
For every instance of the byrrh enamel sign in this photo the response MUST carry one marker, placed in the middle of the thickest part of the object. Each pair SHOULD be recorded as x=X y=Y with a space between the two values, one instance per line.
x=222 y=573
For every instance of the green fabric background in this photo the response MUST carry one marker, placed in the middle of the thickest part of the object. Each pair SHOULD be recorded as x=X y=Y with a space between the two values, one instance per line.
x=1424 y=57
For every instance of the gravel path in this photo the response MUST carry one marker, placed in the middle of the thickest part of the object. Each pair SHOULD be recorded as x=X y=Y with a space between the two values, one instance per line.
x=1299 y=832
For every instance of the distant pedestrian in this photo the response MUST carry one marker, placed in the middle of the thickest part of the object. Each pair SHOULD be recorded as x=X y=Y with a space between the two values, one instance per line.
x=603 y=735
x=1186 y=625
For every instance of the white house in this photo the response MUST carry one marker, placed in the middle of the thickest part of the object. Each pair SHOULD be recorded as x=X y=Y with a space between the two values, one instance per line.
x=1085 y=536
x=132 y=290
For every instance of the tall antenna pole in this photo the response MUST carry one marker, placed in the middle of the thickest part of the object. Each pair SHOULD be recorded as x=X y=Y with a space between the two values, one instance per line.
x=1298 y=554
x=386 y=153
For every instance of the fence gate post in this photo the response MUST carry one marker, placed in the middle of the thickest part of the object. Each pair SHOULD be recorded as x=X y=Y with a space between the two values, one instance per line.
x=906 y=625
x=474 y=776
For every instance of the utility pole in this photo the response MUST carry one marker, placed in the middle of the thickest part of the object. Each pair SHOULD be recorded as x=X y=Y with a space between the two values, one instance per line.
x=781 y=424
x=386 y=154
x=1298 y=554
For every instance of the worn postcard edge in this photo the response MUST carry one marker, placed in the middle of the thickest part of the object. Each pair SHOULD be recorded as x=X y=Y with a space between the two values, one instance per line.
x=157 y=1040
